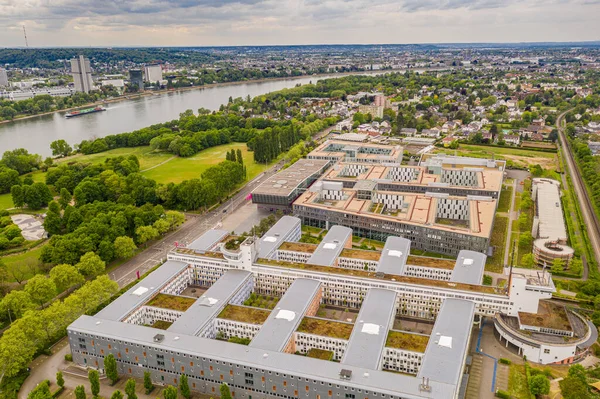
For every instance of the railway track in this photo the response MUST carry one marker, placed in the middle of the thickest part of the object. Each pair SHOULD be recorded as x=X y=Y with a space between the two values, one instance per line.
x=587 y=208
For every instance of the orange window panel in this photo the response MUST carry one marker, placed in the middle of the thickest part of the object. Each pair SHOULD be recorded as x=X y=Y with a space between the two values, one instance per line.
x=126 y=350
x=201 y=372
x=136 y=359
x=130 y=370
x=307 y=388
x=263 y=379
x=230 y=372
x=174 y=380
x=285 y=383
x=295 y=393
x=213 y=389
x=329 y=393
x=274 y=388
x=182 y=368
x=102 y=351
x=191 y=364
x=221 y=377
x=109 y=347
x=144 y=354
x=211 y=369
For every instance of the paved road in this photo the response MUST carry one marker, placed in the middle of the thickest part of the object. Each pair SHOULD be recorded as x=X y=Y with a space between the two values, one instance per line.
x=589 y=217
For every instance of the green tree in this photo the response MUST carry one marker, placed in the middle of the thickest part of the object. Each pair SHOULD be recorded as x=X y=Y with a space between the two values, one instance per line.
x=225 y=392
x=239 y=157
x=90 y=265
x=37 y=195
x=42 y=391
x=110 y=368
x=574 y=388
x=60 y=148
x=525 y=239
x=18 y=195
x=60 y=381
x=539 y=385
x=16 y=303
x=527 y=261
x=124 y=247
x=116 y=395
x=557 y=266
x=130 y=389
x=146 y=233
x=41 y=289
x=65 y=198
x=94 y=378
x=148 y=382
x=170 y=392
x=184 y=387
x=65 y=276
x=80 y=392
x=576 y=265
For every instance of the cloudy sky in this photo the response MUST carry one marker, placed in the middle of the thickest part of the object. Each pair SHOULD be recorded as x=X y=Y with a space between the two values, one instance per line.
x=247 y=22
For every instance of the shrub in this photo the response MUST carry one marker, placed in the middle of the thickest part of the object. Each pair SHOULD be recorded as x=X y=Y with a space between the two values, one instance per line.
x=504 y=361
x=502 y=394
x=69 y=357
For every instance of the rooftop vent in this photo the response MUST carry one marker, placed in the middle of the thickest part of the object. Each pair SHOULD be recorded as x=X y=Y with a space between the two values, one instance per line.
x=345 y=374
x=158 y=338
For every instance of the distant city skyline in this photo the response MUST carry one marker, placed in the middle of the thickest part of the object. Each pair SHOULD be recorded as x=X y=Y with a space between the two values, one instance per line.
x=294 y=22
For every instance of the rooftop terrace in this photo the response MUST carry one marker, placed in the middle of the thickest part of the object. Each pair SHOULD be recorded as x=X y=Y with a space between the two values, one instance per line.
x=407 y=341
x=173 y=302
x=326 y=328
x=549 y=315
x=298 y=247
x=389 y=277
x=244 y=314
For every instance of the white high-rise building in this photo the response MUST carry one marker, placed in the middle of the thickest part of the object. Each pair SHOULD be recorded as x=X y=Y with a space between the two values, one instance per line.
x=82 y=74
x=153 y=73
x=3 y=77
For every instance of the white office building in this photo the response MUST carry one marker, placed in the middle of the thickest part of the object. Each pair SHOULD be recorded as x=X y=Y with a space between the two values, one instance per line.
x=153 y=73
x=82 y=74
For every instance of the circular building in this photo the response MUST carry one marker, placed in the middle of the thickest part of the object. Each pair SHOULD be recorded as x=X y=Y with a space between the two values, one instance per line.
x=553 y=335
x=545 y=251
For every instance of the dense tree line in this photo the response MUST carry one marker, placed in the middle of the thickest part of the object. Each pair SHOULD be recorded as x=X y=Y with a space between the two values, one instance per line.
x=36 y=329
x=53 y=57
x=590 y=168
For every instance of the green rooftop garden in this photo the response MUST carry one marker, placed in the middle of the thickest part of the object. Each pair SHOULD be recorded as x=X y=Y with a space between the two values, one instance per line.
x=326 y=328
x=407 y=341
x=321 y=354
x=173 y=302
x=244 y=314
x=161 y=324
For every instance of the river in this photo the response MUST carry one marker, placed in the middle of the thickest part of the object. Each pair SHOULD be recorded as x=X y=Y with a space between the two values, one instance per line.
x=36 y=134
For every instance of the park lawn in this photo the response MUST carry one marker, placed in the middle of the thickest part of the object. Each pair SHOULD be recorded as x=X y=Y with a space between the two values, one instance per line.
x=517 y=156
x=147 y=157
x=495 y=263
x=179 y=169
x=518 y=387
x=26 y=262
x=6 y=201
x=505 y=198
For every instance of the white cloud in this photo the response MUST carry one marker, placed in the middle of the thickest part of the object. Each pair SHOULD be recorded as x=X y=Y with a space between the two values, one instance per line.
x=240 y=22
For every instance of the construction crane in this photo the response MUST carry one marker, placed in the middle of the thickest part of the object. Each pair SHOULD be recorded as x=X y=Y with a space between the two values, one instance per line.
x=25 y=34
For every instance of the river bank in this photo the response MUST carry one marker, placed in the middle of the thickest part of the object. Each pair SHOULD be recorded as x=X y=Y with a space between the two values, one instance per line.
x=133 y=96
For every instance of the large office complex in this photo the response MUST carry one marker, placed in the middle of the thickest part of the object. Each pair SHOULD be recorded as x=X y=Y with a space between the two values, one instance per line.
x=160 y=327
x=549 y=231
x=442 y=205
x=153 y=73
x=82 y=74
x=279 y=191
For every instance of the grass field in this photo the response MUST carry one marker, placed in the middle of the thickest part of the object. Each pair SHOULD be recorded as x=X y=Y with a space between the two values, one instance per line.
x=179 y=169
x=25 y=264
x=505 y=198
x=517 y=156
x=164 y=167
x=6 y=201
x=518 y=387
x=496 y=262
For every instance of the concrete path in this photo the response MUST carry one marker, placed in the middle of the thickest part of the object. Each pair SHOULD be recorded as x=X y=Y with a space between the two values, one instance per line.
x=511 y=216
